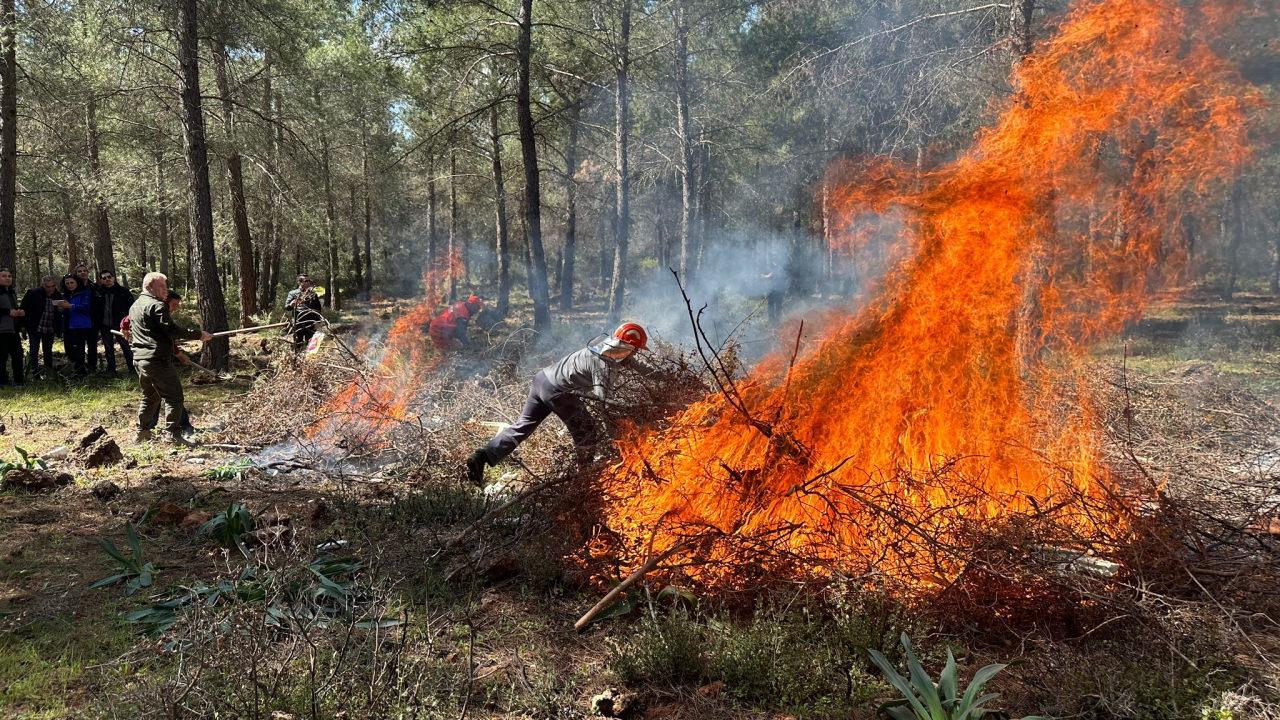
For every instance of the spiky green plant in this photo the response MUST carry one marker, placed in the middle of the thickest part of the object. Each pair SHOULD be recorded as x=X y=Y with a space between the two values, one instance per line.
x=227 y=527
x=130 y=569
x=923 y=699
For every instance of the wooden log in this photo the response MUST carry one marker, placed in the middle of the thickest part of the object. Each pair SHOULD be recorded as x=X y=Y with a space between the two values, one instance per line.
x=632 y=579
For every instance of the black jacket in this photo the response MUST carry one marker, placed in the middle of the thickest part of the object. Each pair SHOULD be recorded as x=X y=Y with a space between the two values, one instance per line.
x=121 y=300
x=33 y=303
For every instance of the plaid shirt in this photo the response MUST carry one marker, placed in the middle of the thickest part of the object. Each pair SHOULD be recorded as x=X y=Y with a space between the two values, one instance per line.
x=46 y=318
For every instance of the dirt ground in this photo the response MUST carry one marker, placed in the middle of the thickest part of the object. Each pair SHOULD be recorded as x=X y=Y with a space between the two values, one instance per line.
x=485 y=632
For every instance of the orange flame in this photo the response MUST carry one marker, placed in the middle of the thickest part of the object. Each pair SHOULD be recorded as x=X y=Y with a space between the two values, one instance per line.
x=372 y=404
x=937 y=402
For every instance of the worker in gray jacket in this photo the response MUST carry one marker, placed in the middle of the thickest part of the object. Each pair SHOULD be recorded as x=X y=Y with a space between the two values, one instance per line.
x=561 y=388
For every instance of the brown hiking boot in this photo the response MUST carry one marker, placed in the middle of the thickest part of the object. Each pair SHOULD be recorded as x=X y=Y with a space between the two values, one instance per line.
x=179 y=441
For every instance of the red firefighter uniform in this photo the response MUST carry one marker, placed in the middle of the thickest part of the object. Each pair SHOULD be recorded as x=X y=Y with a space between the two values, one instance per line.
x=450 y=327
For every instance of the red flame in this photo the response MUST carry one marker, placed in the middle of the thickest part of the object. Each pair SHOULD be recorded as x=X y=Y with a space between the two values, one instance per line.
x=935 y=403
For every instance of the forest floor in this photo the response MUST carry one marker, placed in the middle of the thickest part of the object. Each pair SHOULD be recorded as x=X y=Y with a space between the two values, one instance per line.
x=489 y=633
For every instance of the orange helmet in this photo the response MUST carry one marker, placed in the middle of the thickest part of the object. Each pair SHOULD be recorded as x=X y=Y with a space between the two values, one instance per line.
x=474 y=303
x=633 y=335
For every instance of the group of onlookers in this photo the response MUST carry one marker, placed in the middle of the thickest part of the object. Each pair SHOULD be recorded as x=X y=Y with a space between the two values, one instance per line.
x=83 y=312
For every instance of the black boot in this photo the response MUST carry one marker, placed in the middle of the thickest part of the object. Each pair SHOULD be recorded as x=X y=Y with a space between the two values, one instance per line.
x=475 y=467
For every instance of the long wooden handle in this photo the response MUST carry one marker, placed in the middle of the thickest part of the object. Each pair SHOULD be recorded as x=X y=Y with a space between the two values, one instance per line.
x=256 y=328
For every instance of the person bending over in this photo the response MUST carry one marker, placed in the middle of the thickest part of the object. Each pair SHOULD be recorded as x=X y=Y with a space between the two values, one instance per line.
x=560 y=388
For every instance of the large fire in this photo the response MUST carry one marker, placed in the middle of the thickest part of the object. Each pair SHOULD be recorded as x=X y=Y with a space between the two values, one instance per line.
x=938 y=401
x=378 y=400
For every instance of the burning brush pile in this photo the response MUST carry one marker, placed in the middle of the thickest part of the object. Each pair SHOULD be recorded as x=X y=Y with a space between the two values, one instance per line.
x=949 y=430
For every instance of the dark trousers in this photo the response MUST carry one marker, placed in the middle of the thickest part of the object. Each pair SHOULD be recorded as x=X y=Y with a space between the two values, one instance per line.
x=544 y=399
x=186 y=423
x=302 y=335
x=160 y=386
x=40 y=341
x=91 y=348
x=11 y=352
x=109 y=341
x=75 y=342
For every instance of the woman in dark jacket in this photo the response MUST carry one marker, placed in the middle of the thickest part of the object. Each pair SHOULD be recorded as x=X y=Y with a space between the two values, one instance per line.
x=78 y=331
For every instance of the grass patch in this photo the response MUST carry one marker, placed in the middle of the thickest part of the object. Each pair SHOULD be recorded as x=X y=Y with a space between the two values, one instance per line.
x=801 y=663
x=42 y=666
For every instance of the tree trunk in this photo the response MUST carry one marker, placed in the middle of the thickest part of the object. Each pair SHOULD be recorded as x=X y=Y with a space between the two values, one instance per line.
x=1233 y=226
x=685 y=155
x=332 y=298
x=268 y=241
x=162 y=218
x=453 y=225
x=621 y=136
x=533 y=191
x=433 y=240
x=277 y=244
x=35 y=260
x=69 y=225
x=213 y=309
x=357 y=280
x=368 y=211
x=502 y=247
x=1275 y=269
x=704 y=199
x=606 y=226
x=103 y=251
x=9 y=137
x=1021 y=38
x=568 y=254
x=235 y=182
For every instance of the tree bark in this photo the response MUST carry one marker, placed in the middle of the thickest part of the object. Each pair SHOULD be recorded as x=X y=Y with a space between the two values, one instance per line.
x=356 y=262
x=1233 y=227
x=621 y=133
x=69 y=225
x=9 y=137
x=453 y=225
x=248 y=280
x=332 y=298
x=212 y=304
x=368 y=210
x=277 y=243
x=569 y=253
x=538 y=288
x=1021 y=38
x=685 y=155
x=502 y=247
x=433 y=249
x=103 y=249
x=270 y=250
x=35 y=260
x=162 y=218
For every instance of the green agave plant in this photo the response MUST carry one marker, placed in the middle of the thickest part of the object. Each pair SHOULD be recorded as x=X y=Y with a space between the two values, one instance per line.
x=923 y=699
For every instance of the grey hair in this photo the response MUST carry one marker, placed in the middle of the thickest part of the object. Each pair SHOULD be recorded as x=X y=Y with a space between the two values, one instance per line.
x=152 y=277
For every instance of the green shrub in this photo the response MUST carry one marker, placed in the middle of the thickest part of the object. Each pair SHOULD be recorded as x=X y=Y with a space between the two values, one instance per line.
x=668 y=649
